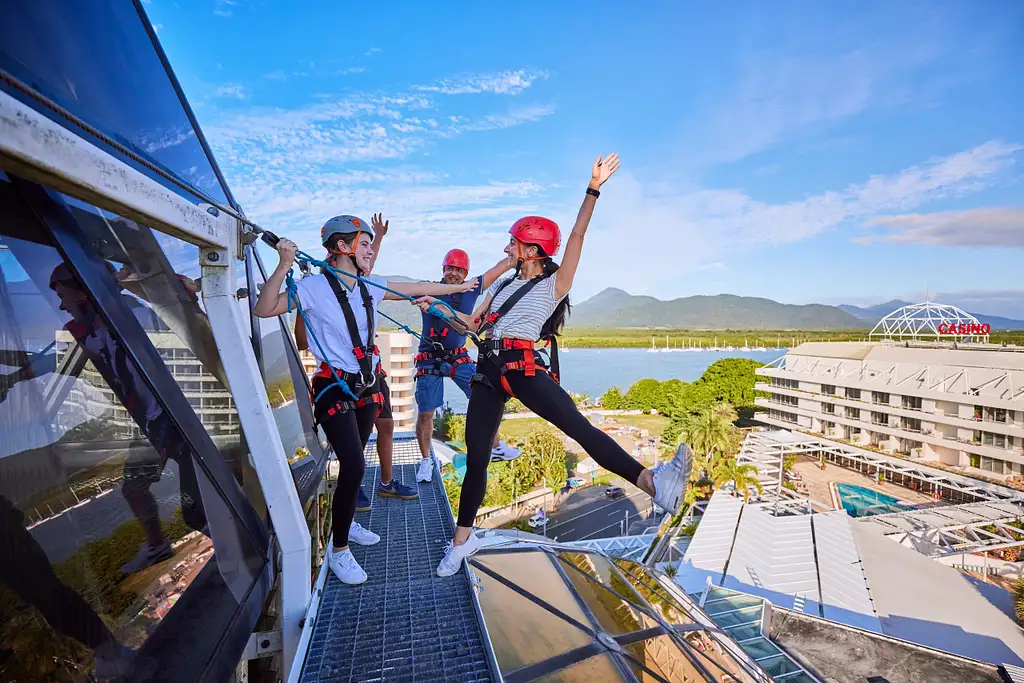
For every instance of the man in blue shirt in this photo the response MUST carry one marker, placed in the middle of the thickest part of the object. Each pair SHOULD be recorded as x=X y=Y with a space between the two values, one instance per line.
x=443 y=353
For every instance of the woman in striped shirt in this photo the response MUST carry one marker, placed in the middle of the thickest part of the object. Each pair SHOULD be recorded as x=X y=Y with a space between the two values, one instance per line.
x=517 y=312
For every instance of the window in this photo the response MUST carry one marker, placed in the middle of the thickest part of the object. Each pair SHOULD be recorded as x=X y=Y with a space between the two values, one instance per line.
x=853 y=394
x=912 y=403
x=828 y=408
x=853 y=413
x=124 y=91
x=124 y=516
x=828 y=389
x=878 y=418
x=880 y=397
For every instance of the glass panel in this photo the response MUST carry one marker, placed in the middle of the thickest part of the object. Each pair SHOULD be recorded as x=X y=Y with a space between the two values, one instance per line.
x=729 y=603
x=738 y=633
x=778 y=665
x=648 y=587
x=743 y=616
x=106 y=518
x=160 y=276
x=288 y=390
x=521 y=631
x=616 y=616
x=69 y=55
x=597 y=668
x=711 y=654
x=760 y=648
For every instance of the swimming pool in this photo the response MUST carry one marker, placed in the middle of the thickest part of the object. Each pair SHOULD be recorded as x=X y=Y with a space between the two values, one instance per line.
x=859 y=501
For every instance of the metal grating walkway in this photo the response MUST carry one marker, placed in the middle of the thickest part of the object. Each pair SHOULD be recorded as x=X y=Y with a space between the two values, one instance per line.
x=405 y=623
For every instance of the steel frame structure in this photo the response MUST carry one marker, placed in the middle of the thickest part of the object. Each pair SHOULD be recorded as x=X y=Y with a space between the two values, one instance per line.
x=922 y=321
x=760 y=446
x=35 y=147
x=953 y=530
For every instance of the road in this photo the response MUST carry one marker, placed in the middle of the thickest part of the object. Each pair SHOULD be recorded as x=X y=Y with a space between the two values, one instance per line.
x=599 y=519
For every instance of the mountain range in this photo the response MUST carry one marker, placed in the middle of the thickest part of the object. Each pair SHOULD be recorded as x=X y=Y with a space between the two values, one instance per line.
x=614 y=307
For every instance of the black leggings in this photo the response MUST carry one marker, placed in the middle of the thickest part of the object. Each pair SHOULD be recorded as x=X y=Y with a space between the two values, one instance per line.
x=348 y=431
x=546 y=398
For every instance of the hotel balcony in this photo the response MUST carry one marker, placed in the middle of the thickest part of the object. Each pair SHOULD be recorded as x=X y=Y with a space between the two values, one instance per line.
x=1015 y=454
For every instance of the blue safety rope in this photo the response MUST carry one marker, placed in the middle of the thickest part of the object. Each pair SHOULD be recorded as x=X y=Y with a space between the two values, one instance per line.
x=433 y=309
x=293 y=299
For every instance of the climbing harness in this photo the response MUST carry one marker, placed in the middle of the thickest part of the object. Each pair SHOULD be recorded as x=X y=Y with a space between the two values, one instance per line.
x=367 y=377
x=500 y=350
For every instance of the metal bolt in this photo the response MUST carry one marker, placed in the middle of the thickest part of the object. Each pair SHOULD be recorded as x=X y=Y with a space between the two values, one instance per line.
x=265 y=643
x=213 y=257
x=212 y=210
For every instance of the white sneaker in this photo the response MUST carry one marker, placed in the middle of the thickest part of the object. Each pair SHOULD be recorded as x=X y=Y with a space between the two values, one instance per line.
x=357 y=533
x=670 y=480
x=503 y=453
x=425 y=472
x=451 y=563
x=345 y=567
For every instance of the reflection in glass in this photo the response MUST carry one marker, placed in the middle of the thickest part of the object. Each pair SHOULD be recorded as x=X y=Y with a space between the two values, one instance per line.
x=521 y=631
x=597 y=668
x=83 y=424
x=106 y=516
x=615 y=615
x=69 y=54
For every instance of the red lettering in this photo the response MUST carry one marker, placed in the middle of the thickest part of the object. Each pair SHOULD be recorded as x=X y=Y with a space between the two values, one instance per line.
x=962 y=328
x=943 y=328
x=986 y=328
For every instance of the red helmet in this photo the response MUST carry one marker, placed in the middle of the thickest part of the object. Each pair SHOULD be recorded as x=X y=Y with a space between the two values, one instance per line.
x=543 y=232
x=457 y=259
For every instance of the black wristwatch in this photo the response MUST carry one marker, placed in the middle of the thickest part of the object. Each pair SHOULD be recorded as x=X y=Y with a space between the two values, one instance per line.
x=593 y=192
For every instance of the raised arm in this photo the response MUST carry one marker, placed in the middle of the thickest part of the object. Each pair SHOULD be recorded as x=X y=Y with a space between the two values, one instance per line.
x=470 y=322
x=380 y=228
x=599 y=175
x=271 y=302
x=492 y=275
x=426 y=289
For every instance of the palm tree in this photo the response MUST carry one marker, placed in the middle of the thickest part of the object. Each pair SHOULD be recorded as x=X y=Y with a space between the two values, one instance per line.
x=743 y=477
x=708 y=431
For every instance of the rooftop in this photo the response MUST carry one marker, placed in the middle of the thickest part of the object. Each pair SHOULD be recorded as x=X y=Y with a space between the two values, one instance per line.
x=826 y=565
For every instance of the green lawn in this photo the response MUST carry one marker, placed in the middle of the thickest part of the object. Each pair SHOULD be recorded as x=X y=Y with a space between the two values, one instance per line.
x=522 y=427
x=655 y=424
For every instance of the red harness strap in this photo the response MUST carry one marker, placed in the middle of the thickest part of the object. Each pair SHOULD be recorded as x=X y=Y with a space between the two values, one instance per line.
x=528 y=364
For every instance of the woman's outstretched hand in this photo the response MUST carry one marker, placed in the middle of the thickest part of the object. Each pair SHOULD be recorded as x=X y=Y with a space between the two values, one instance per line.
x=379 y=225
x=603 y=169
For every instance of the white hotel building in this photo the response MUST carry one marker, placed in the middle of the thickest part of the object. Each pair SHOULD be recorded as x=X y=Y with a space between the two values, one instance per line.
x=397 y=357
x=958 y=404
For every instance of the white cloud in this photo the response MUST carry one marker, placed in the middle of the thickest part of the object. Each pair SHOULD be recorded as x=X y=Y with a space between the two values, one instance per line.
x=715 y=265
x=235 y=91
x=292 y=168
x=670 y=231
x=992 y=227
x=504 y=83
x=222 y=8
x=157 y=27
x=371 y=51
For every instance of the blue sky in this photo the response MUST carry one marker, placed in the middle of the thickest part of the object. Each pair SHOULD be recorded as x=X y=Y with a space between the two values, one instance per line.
x=830 y=152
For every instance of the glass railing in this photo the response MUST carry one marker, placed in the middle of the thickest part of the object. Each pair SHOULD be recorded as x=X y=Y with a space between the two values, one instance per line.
x=124 y=525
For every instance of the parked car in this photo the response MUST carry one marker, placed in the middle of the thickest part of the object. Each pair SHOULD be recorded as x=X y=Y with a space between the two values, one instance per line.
x=614 y=492
x=576 y=482
x=538 y=521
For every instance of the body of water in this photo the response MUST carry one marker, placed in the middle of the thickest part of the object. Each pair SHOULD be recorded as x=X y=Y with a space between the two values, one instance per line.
x=595 y=371
x=860 y=501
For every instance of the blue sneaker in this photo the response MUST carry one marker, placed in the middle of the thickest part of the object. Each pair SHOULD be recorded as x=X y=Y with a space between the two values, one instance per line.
x=396 y=490
x=362 y=502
